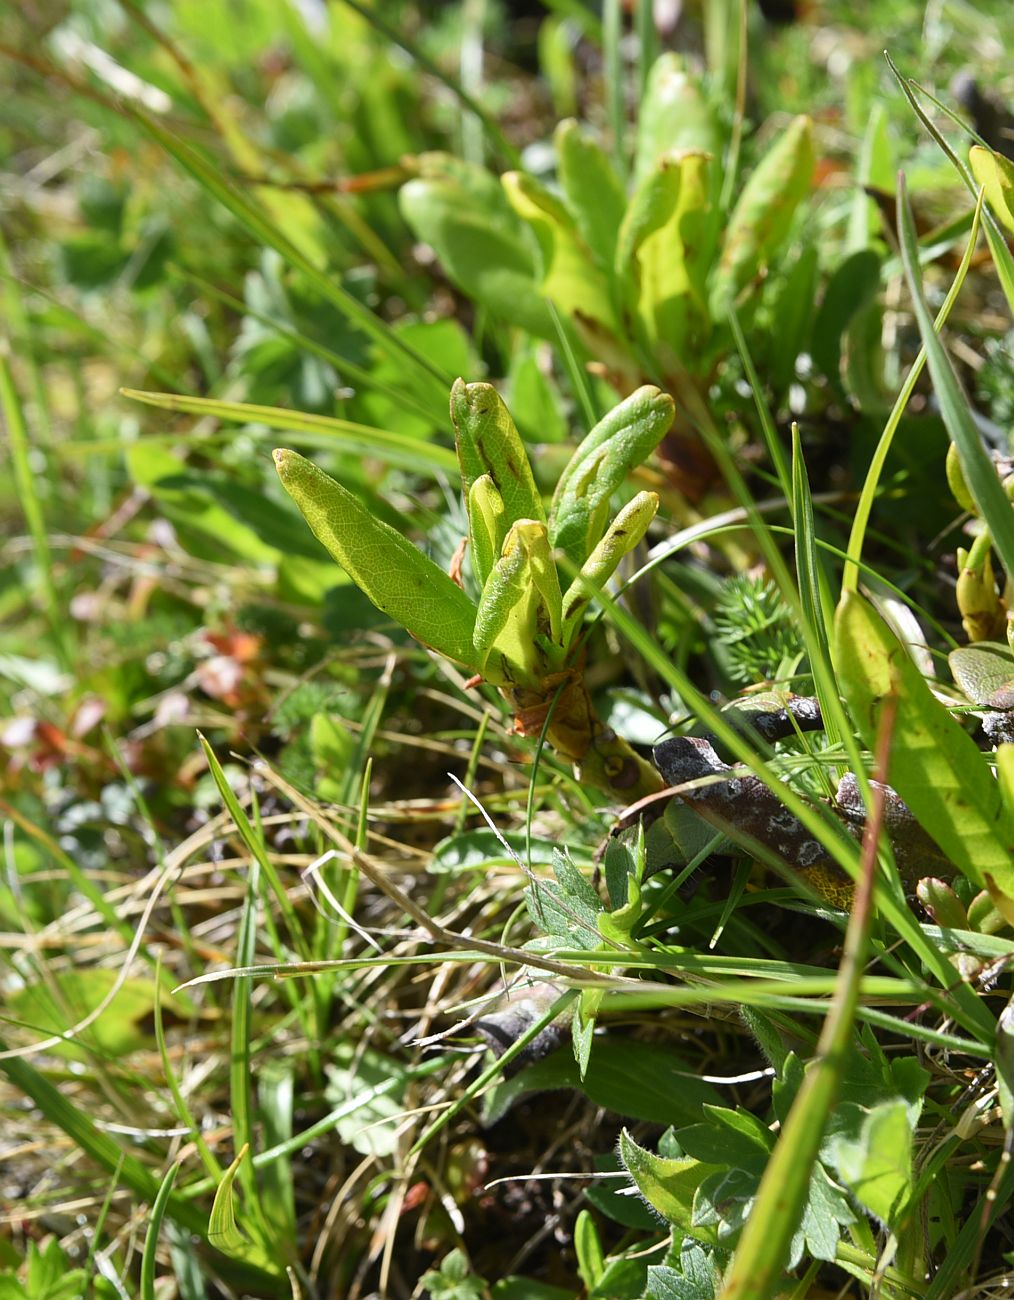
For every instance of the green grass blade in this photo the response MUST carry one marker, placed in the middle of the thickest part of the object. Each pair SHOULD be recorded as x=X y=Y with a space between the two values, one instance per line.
x=100 y=1147
x=979 y=470
x=28 y=496
x=501 y=144
x=240 y=1075
x=158 y=1211
x=251 y=216
x=396 y=448
x=255 y=845
x=864 y=507
x=775 y=450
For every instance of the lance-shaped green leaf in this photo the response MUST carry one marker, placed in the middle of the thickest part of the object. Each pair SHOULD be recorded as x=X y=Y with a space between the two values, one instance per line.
x=673 y=258
x=995 y=174
x=651 y=208
x=673 y=116
x=488 y=443
x=487 y=526
x=621 y=440
x=762 y=217
x=461 y=211
x=570 y=278
x=517 y=628
x=401 y=581
x=621 y=537
x=935 y=765
x=592 y=189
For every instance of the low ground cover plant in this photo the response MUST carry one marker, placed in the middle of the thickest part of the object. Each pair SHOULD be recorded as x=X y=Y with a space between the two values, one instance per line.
x=599 y=882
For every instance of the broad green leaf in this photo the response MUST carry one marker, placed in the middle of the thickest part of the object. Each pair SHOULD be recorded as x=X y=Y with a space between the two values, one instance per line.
x=592 y=190
x=323 y=430
x=487 y=526
x=461 y=211
x=995 y=174
x=517 y=628
x=978 y=469
x=488 y=443
x=623 y=534
x=650 y=211
x=401 y=581
x=69 y=996
x=372 y=1129
x=570 y=278
x=761 y=219
x=674 y=261
x=673 y=116
x=935 y=765
x=876 y=1166
x=698 y=1277
x=646 y=1081
x=189 y=503
x=985 y=673
x=618 y=443
x=588 y=1248
x=669 y=1186
x=854 y=283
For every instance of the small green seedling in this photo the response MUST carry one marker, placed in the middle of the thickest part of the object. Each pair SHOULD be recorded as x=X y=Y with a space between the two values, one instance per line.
x=523 y=636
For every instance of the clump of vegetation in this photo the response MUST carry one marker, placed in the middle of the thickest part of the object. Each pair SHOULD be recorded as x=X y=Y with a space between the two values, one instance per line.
x=429 y=923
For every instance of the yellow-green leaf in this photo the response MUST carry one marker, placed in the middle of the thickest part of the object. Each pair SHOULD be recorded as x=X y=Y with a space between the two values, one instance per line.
x=570 y=277
x=400 y=580
x=761 y=219
x=518 y=626
x=935 y=765
x=995 y=174
x=487 y=526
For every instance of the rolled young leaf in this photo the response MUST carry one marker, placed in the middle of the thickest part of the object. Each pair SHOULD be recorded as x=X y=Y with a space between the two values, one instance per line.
x=487 y=526
x=517 y=628
x=489 y=443
x=621 y=537
x=400 y=580
x=623 y=439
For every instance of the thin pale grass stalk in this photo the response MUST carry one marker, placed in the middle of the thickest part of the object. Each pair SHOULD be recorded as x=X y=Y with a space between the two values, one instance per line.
x=756 y=1270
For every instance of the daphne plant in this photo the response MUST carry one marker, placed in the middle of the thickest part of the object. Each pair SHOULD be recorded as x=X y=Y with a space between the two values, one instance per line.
x=536 y=572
